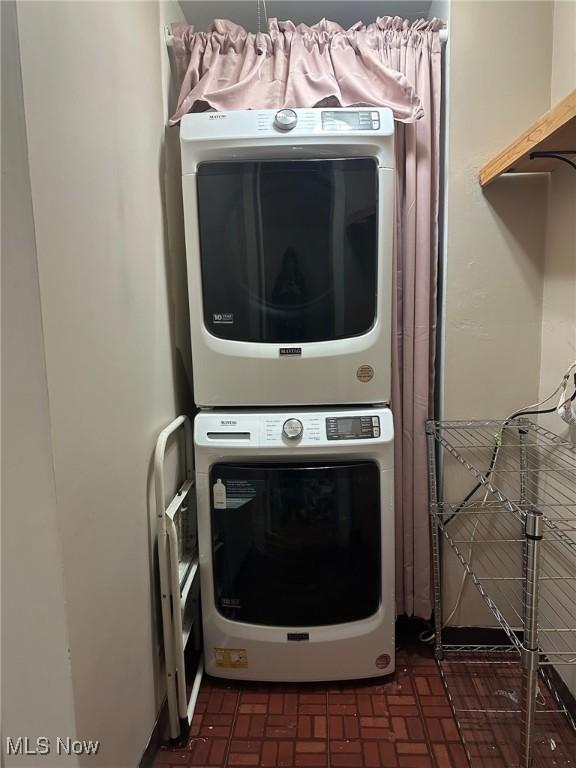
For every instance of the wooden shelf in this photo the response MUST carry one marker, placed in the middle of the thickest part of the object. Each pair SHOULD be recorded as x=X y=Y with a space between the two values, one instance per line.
x=554 y=131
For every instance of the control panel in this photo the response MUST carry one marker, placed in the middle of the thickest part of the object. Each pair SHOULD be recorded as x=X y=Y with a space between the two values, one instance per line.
x=352 y=427
x=286 y=123
x=290 y=430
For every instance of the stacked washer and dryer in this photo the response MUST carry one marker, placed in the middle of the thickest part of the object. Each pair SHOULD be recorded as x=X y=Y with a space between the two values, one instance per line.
x=289 y=232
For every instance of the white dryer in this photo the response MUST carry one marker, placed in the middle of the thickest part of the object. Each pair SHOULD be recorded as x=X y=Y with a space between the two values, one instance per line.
x=296 y=540
x=289 y=229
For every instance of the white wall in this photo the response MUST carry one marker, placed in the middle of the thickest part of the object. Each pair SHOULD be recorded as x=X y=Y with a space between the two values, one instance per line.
x=559 y=304
x=559 y=297
x=499 y=81
x=36 y=670
x=244 y=12
x=95 y=120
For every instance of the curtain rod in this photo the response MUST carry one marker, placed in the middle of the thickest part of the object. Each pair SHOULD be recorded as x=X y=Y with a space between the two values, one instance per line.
x=169 y=37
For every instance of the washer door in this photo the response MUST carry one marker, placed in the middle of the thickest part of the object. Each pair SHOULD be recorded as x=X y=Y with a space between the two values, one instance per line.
x=296 y=546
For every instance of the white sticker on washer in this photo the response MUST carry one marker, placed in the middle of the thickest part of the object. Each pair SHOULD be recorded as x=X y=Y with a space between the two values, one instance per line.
x=219 y=494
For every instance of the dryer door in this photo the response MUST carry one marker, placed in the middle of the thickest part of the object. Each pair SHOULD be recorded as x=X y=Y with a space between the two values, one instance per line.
x=296 y=545
x=288 y=249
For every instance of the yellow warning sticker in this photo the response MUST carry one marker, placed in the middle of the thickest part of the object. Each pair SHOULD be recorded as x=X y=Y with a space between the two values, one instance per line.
x=231 y=658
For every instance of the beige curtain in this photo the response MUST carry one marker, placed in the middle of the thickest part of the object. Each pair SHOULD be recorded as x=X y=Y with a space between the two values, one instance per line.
x=394 y=63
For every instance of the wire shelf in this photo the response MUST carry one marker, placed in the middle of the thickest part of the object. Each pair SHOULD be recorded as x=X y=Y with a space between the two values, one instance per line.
x=514 y=533
x=534 y=470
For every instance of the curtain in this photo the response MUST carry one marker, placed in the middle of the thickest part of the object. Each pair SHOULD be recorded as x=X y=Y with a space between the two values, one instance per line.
x=415 y=51
x=299 y=66
x=391 y=62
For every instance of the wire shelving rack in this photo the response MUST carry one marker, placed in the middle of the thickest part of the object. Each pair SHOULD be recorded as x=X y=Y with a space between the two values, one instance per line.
x=515 y=536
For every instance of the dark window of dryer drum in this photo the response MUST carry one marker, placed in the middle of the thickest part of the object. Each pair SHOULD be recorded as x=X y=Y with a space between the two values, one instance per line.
x=288 y=249
x=296 y=546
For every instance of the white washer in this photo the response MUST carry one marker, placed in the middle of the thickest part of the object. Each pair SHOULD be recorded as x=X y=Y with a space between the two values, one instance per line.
x=289 y=231
x=296 y=538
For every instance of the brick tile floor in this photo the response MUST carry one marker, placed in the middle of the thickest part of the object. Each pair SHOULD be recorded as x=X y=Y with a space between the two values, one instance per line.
x=492 y=736
x=401 y=721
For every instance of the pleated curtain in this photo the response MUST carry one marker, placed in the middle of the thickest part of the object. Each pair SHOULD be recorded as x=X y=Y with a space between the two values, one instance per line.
x=390 y=62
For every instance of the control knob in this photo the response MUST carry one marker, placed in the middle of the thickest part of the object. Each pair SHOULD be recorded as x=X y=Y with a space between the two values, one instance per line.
x=285 y=119
x=293 y=429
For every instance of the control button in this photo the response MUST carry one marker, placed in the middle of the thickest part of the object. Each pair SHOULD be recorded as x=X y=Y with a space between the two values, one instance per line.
x=293 y=429
x=375 y=115
x=376 y=432
x=375 y=124
x=285 y=119
x=376 y=421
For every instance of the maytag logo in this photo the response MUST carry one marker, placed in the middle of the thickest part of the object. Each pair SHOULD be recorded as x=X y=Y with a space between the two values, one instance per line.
x=290 y=351
x=228 y=423
x=216 y=117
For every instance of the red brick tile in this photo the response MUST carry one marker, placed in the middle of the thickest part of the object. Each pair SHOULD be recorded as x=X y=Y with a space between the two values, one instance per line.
x=437 y=711
x=414 y=761
x=312 y=698
x=436 y=686
x=379 y=705
x=269 y=753
x=240 y=758
x=320 y=728
x=442 y=756
x=218 y=752
x=312 y=709
x=311 y=746
x=458 y=756
x=276 y=704
x=388 y=757
x=354 y=747
x=364 y=705
x=434 y=727
x=399 y=727
x=406 y=700
x=196 y=724
x=369 y=722
x=285 y=753
x=336 y=727
x=408 y=711
x=253 y=709
x=434 y=701
x=290 y=703
x=311 y=760
x=345 y=760
x=371 y=754
x=415 y=729
x=375 y=733
x=412 y=748
x=240 y=745
x=171 y=757
x=257 y=726
x=253 y=698
x=341 y=698
x=422 y=686
x=351 y=727
x=304 y=727
x=242 y=726
x=200 y=752
x=342 y=709
x=450 y=729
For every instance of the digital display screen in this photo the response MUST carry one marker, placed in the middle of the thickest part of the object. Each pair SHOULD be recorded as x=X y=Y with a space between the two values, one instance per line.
x=345 y=426
x=337 y=120
x=352 y=427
